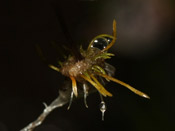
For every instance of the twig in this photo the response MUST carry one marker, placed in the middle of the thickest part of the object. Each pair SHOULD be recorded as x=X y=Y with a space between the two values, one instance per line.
x=61 y=100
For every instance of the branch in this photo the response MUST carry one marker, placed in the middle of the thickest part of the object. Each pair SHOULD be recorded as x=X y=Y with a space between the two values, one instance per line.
x=61 y=100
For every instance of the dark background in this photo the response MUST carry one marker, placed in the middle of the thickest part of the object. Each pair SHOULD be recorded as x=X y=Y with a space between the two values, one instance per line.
x=145 y=58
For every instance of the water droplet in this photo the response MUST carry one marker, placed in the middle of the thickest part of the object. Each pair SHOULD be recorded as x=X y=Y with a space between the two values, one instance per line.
x=103 y=109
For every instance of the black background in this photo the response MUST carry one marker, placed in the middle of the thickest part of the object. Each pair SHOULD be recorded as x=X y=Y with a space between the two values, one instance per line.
x=145 y=58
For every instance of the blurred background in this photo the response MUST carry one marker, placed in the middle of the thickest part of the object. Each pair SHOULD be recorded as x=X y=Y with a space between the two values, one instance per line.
x=144 y=58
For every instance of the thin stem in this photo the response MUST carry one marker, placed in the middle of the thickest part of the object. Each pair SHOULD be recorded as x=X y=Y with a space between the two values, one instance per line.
x=125 y=85
x=54 y=67
x=71 y=99
x=85 y=94
x=100 y=85
x=114 y=37
x=74 y=86
x=102 y=90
